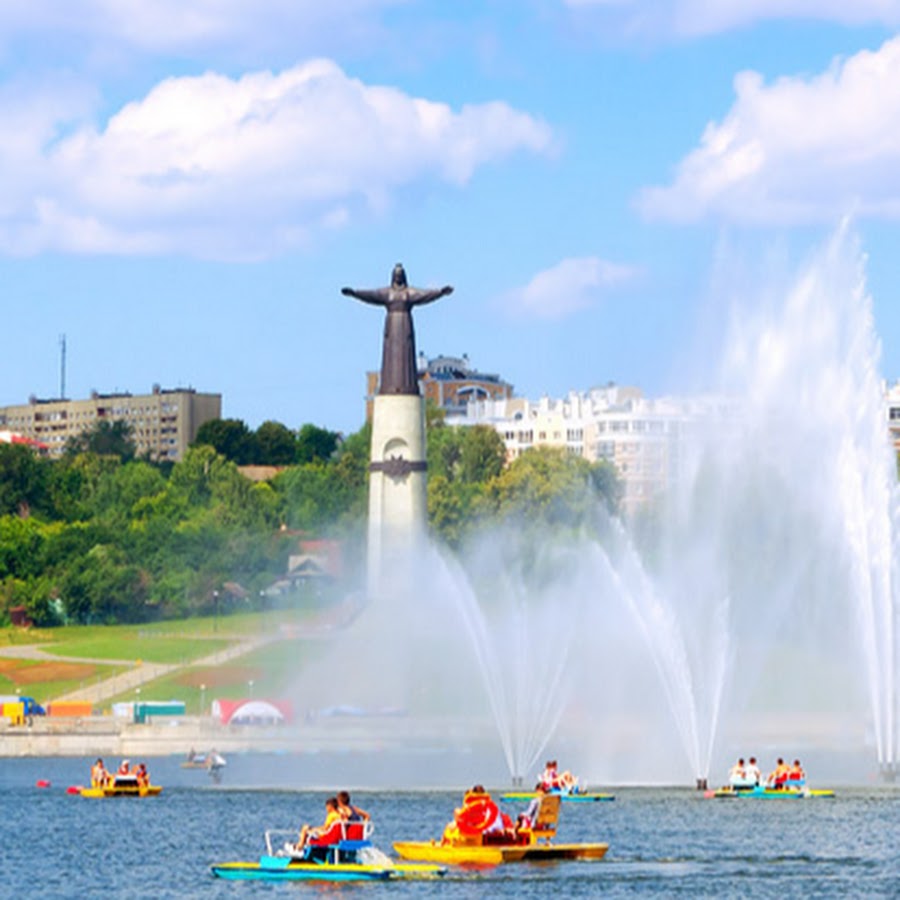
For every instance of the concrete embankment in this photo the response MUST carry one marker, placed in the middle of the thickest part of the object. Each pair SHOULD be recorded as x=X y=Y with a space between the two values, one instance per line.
x=109 y=736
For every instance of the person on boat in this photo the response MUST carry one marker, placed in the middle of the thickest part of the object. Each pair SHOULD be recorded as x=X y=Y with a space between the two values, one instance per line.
x=754 y=776
x=192 y=755
x=737 y=774
x=309 y=835
x=778 y=776
x=349 y=812
x=526 y=819
x=796 y=776
x=143 y=776
x=550 y=778
x=124 y=767
x=478 y=816
x=99 y=775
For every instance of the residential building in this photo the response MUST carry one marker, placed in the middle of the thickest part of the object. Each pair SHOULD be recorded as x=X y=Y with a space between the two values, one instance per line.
x=892 y=408
x=643 y=438
x=450 y=382
x=163 y=423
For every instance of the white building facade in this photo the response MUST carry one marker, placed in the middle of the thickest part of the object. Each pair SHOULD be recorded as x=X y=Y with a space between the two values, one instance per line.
x=643 y=438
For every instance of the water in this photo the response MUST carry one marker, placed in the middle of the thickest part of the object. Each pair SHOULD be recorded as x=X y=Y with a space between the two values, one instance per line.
x=662 y=842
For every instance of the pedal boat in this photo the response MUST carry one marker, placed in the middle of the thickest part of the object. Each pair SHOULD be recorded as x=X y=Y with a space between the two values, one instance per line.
x=565 y=796
x=345 y=860
x=761 y=792
x=492 y=854
x=123 y=786
x=490 y=850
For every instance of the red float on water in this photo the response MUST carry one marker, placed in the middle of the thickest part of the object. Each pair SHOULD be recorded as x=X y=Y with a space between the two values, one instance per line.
x=74 y=789
x=42 y=782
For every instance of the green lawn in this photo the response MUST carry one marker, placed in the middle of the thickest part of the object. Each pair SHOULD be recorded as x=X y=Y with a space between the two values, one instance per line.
x=130 y=646
x=182 y=642
x=44 y=691
x=272 y=669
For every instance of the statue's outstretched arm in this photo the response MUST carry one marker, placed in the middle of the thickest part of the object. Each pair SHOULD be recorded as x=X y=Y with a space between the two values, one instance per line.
x=417 y=297
x=379 y=296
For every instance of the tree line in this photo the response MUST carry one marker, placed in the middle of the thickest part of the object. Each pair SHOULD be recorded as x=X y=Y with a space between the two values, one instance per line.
x=102 y=536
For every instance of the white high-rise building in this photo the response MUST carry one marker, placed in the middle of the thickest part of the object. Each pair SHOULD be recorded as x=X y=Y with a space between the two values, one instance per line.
x=643 y=438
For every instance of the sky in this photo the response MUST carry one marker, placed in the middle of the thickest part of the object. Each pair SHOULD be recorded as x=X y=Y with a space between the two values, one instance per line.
x=186 y=186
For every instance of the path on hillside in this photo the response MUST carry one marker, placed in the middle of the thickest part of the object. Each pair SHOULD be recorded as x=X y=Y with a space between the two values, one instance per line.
x=137 y=674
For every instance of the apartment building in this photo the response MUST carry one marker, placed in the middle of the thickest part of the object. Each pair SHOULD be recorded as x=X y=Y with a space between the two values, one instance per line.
x=163 y=422
x=643 y=438
x=449 y=381
x=892 y=410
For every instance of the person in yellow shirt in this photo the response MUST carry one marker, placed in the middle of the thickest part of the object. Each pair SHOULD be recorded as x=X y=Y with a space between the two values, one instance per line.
x=332 y=817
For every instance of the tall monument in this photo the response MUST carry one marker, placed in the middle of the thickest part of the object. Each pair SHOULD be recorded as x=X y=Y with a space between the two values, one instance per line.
x=397 y=471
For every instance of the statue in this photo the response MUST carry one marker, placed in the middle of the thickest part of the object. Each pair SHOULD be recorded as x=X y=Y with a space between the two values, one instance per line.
x=398 y=360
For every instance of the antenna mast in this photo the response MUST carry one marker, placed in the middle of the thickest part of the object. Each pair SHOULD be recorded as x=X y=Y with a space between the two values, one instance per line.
x=62 y=367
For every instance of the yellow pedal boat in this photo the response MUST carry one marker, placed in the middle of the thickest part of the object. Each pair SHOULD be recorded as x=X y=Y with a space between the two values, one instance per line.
x=481 y=848
x=494 y=854
x=123 y=786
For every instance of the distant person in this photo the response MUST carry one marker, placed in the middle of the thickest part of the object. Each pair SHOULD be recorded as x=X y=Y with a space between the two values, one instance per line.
x=332 y=817
x=754 y=776
x=778 y=776
x=550 y=776
x=124 y=767
x=349 y=812
x=737 y=774
x=526 y=819
x=142 y=775
x=796 y=776
x=99 y=775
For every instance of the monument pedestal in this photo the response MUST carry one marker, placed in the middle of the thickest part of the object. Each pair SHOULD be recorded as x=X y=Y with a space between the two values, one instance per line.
x=397 y=491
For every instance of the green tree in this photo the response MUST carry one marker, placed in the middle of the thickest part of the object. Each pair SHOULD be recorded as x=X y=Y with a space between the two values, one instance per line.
x=544 y=486
x=276 y=444
x=450 y=509
x=23 y=480
x=482 y=454
x=104 y=438
x=315 y=444
x=230 y=438
x=21 y=542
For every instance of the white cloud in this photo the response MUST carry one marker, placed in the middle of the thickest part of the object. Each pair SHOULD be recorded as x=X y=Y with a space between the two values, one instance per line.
x=219 y=167
x=694 y=18
x=798 y=150
x=182 y=25
x=568 y=287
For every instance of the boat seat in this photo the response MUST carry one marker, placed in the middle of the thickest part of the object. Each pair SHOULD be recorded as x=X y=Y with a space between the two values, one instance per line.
x=544 y=826
x=334 y=835
x=357 y=831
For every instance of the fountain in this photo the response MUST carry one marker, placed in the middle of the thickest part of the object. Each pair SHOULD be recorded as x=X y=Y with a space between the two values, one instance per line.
x=753 y=609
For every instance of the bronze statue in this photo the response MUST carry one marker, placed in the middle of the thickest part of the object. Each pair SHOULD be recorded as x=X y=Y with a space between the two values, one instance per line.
x=398 y=359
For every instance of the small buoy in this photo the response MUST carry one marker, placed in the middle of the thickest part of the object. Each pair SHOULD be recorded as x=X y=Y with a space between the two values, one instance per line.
x=74 y=789
x=43 y=783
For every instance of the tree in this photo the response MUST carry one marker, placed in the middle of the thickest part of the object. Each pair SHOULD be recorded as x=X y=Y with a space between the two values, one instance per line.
x=314 y=443
x=450 y=509
x=23 y=480
x=230 y=438
x=544 y=486
x=276 y=445
x=104 y=438
x=482 y=454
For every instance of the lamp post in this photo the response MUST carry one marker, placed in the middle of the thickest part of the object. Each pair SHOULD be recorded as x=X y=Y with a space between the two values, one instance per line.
x=250 y=685
x=202 y=699
x=216 y=606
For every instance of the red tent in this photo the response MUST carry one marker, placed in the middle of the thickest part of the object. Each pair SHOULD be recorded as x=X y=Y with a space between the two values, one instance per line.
x=252 y=712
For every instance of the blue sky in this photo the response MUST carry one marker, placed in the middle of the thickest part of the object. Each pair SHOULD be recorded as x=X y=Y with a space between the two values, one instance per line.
x=185 y=185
